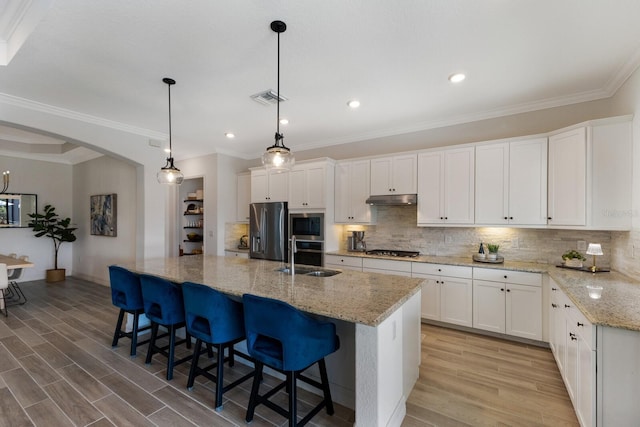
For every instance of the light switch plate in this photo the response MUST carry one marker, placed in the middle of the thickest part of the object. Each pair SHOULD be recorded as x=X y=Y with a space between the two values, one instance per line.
x=515 y=243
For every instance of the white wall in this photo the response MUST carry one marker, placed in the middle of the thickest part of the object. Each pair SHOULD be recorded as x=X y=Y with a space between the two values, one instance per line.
x=52 y=182
x=93 y=254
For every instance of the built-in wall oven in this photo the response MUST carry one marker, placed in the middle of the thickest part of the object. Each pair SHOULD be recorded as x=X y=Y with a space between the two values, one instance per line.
x=308 y=228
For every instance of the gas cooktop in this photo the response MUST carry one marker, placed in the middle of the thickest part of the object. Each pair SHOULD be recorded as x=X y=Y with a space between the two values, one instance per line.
x=393 y=252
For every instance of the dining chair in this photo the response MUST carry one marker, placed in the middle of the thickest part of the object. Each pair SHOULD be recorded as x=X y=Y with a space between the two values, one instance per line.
x=126 y=294
x=4 y=284
x=164 y=306
x=214 y=319
x=285 y=339
x=15 y=292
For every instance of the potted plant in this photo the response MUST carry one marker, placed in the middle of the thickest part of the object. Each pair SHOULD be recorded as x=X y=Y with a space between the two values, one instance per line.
x=573 y=258
x=58 y=230
x=493 y=251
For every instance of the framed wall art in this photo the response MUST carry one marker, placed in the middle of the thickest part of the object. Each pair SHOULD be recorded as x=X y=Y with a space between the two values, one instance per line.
x=104 y=215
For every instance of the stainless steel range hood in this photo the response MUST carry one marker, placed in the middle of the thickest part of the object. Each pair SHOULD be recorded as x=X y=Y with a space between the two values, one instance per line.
x=393 y=200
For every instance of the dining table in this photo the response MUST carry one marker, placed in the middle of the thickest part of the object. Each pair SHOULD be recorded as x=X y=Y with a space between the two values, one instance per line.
x=12 y=264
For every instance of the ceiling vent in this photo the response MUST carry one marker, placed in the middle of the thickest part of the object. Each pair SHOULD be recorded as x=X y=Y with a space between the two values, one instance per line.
x=268 y=97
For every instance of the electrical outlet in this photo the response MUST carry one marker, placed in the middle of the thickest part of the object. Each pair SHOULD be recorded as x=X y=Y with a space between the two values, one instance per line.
x=515 y=243
x=448 y=239
x=582 y=245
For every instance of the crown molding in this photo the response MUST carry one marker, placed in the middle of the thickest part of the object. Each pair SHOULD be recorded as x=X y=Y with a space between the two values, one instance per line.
x=27 y=104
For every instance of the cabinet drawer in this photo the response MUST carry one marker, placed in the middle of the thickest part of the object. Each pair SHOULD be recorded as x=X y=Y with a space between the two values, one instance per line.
x=508 y=276
x=582 y=326
x=385 y=264
x=442 y=270
x=348 y=261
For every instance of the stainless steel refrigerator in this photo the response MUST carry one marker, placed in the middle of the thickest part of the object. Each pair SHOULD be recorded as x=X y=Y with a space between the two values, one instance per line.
x=268 y=231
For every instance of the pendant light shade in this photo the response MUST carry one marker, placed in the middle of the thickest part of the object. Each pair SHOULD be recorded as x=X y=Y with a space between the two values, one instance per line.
x=278 y=156
x=169 y=174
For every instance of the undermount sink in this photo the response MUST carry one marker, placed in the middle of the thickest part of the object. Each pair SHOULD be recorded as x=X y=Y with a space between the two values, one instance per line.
x=306 y=271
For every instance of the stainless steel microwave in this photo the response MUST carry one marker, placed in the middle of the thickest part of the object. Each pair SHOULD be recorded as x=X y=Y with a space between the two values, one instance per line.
x=306 y=226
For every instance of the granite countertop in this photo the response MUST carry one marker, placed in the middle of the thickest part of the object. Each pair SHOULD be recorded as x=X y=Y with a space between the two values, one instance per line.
x=238 y=249
x=531 y=267
x=365 y=298
x=618 y=307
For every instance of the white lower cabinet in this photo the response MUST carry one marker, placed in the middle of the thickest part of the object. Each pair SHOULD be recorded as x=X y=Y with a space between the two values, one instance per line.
x=447 y=293
x=572 y=341
x=508 y=302
x=237 y=254
x=375 y=265
x=343 y=262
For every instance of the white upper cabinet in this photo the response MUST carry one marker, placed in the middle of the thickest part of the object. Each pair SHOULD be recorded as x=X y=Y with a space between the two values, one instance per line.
x=269 y=186
x=306 y=186
x=568 y=178
x=590 y=176
x=352 y=183
x=310 y=184
x=511 y=183
x=244 y=197
x=609 y=175
x=394 y=175
x=446 y=186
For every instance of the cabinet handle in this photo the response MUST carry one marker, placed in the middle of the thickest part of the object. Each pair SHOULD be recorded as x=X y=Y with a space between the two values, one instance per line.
x=510 y=217
x=554 y=305
x=573 y=336
x=441 y=217
x=554 y=289
x=446 y=217
x=439 y=269
x=508 y=290
x=389 y=190
x=580 y=324
x=549 y=218
x=505 y=276
x=506 y=217
x=501 y=289
x=567 y=306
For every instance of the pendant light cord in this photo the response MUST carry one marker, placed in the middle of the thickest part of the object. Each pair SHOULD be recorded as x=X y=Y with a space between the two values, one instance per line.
x=170 y=148
x=278 y=136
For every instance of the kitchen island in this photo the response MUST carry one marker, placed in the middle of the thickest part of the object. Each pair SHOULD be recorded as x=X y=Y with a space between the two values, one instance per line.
x=377 y=318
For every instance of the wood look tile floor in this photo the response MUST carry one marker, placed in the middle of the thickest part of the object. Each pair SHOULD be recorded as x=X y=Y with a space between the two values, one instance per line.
x=58 y=369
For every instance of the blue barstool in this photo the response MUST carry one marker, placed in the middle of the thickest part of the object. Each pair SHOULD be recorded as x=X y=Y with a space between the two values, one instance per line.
x=127 y=295
x=214 y=319
x=285 y=339
x=163 y=305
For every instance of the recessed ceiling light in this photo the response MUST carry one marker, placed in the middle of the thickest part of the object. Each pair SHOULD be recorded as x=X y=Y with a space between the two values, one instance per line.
x=284 y=121
x=354 y=103
x=457 y=77
x=230 y=135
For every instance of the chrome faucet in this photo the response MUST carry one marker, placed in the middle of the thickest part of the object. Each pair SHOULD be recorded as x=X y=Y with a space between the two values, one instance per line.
x=294 y=249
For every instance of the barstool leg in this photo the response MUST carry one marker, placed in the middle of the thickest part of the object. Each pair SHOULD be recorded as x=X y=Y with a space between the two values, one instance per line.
x=152 y=342
x=116 y=334
x=219 y=374
x=172 y=351
x=134 y=334
x=194 y=364
x=254 y=391
x=325 y=386
x=293 y=410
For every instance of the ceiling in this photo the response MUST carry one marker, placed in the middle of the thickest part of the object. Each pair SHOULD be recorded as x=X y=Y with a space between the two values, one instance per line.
x=105 y=60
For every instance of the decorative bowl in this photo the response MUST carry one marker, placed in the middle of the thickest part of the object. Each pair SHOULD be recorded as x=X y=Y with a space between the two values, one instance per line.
x=193 y=236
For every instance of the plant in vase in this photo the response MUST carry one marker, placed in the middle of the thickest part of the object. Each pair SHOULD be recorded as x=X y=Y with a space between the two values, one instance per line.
x=573 y=258
x=493 y=251
x=59 y=230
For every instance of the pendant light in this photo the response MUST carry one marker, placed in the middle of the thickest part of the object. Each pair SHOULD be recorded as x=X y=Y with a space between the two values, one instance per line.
x=169 y=174
x=6 y=175
x=278 y=156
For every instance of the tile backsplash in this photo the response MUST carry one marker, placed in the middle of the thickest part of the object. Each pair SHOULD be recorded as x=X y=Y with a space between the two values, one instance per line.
x=233 y=232
x=396 y=229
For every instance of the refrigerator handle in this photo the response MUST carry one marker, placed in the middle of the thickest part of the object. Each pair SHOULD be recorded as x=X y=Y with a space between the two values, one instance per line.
x=255 y=244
